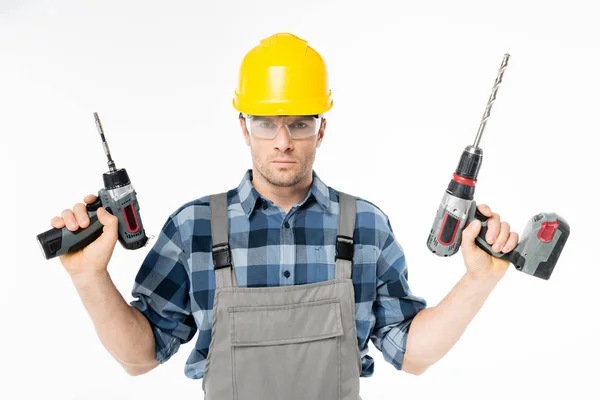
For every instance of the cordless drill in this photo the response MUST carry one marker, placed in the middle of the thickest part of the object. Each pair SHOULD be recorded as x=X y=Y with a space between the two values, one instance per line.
x=118 y=197
x=542 y=240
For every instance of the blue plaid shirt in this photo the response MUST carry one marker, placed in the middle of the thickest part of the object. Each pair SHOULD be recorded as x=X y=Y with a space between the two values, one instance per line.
x=175 y=285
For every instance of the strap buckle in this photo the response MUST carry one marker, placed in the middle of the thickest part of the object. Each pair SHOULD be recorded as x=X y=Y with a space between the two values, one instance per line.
x=221 y=255
x=344 y=248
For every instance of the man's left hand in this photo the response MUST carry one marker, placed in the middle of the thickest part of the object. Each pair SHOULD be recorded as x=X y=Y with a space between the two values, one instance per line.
x=481 y=265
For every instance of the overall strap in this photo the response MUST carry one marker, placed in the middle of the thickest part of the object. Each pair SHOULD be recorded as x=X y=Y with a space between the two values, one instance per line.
x=221 y=253
x=344 y=246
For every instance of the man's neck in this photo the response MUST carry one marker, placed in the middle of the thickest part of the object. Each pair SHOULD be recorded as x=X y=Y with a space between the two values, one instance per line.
x=284 y=197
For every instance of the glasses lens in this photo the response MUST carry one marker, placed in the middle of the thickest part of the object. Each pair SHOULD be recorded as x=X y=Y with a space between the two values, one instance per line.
x=267 y=127
x=262 y=127
x=304 y=127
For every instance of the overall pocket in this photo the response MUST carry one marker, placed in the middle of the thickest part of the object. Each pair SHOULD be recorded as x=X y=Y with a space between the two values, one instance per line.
x=289 y=351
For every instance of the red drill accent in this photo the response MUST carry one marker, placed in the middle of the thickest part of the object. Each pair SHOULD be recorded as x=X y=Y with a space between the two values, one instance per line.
x=439 y=237
x=547 y=231
x=135 y=226
x=463 y=180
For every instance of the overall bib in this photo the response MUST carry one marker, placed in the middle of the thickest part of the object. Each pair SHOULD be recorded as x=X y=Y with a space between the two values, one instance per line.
x=286 y=342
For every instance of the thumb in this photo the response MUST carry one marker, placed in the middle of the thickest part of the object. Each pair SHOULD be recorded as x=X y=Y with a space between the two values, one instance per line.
x=109 y=221
x=469 y=234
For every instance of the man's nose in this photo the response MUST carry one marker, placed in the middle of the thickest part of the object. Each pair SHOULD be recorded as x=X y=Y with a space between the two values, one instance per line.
x=283 y=139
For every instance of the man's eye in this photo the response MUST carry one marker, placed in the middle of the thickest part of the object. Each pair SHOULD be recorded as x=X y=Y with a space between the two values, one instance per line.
x=299 y=125
x=266 y=125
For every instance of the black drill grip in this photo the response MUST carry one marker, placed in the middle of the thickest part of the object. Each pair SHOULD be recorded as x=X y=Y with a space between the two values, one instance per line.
x=513 y=256
x=58 y=241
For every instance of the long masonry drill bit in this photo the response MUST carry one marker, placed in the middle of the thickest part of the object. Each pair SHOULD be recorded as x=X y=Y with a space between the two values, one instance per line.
x=486 y=114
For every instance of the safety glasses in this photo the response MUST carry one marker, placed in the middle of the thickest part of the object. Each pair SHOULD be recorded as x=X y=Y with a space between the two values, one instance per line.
x=267 y=127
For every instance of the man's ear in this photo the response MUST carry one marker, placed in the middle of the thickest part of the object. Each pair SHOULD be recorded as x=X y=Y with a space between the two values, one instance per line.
x=244 y=130
x=321 y=133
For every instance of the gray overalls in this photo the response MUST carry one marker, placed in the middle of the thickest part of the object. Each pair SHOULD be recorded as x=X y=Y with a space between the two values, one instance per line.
x=285 y=342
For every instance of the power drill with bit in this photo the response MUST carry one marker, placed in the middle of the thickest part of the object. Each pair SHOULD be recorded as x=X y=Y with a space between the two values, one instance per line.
x=118 y=197
x=542 y=240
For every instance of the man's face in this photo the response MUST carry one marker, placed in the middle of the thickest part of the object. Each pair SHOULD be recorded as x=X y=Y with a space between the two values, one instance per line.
x=282 y=160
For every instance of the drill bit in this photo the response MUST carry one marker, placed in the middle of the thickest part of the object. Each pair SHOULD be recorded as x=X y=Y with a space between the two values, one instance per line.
x=491 y=100
x=111 y=163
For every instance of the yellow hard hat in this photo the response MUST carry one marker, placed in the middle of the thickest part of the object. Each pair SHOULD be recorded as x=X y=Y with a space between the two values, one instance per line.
x=282 y=76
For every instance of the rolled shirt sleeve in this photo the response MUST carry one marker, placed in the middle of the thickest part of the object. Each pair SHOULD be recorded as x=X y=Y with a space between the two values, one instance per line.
x=395 y=305
x=161 y=290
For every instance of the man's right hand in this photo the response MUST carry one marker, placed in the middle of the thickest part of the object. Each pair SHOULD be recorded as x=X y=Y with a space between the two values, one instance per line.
x=94 y=257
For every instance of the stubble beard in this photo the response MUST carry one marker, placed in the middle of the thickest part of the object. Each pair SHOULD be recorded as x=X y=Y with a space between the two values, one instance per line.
x=283 y=177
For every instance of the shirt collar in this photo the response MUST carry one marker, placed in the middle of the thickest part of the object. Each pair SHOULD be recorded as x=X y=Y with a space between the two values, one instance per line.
x=248 y=195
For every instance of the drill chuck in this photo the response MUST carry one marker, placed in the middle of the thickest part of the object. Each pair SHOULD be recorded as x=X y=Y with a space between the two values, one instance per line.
x=116 y=179
x=462 y=184
x=470 y=163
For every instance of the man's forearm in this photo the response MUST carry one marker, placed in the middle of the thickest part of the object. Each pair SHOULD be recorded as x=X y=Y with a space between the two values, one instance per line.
x=435 y=330
x=122 y=329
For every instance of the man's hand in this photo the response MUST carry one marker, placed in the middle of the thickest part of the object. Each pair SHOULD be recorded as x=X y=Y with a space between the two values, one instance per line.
x=481 y=265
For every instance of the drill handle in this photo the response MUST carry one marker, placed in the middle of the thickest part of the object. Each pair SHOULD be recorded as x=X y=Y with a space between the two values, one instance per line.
x=513 y=256
x=58 y=241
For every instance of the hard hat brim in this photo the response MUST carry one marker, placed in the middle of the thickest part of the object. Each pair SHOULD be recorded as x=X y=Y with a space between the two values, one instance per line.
x=313 y=106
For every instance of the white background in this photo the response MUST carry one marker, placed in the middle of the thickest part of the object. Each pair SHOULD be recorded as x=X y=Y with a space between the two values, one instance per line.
x=410 y=84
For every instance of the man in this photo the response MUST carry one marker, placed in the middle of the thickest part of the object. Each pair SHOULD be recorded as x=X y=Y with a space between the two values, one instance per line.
x=284 y=278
